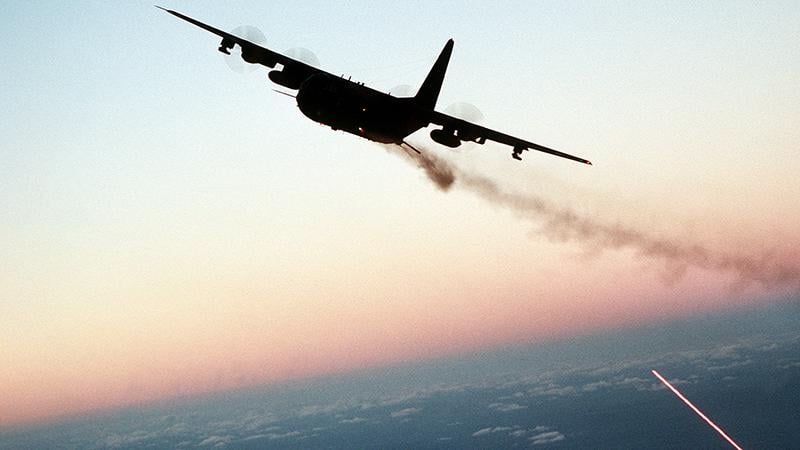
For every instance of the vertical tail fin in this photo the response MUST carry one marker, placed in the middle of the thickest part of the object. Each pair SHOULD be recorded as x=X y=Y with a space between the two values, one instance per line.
x=429 y=91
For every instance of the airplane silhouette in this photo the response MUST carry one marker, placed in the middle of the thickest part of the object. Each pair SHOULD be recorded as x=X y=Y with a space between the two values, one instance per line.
x=355 y=108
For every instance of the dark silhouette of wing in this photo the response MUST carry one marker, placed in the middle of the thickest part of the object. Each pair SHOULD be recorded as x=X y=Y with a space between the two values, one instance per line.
x=254 y=53
x=468 y=131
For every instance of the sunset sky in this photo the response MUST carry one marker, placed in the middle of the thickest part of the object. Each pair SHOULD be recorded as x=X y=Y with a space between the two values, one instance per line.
x=171 y=227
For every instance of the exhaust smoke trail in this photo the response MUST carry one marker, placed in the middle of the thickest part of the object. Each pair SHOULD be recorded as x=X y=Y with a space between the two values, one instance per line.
x=560 y=223
x=441 y=172
x=696 y=410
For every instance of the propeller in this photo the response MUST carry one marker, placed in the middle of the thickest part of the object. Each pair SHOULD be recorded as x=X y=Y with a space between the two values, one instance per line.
x=468 y=112
x=237 y=64
x=303 y=55
x=462 y=110
x=234 y=60
x=403 y=90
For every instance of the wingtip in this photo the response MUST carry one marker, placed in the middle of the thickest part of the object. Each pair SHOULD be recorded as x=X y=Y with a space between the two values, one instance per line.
x=588 y=163
x=162 y=8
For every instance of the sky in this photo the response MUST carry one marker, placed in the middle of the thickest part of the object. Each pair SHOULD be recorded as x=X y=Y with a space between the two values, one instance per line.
x=170 y=227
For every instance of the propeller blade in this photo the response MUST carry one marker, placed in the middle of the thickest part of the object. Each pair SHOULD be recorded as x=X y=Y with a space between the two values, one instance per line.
x=303 y=55
x=234 y=60
x=403 y=90
x=466 y=111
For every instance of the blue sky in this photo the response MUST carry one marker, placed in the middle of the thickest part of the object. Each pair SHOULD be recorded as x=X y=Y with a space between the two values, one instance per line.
x=170 y=226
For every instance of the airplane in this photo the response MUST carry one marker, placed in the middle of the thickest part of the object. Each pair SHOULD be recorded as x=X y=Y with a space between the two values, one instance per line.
x=352 y=107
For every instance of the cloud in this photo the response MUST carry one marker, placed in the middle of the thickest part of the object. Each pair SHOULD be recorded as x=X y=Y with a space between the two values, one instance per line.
x=541 y=434
x=311 y=410
x=515 y=396
x=405 y=412
x=482 y=432
x=354 y=420
x=590 y=387
x=731 y=365
x=215 y=441
x=288 y=434
x=254 y=437
x=790 y=365
x=632 y=380
x=546 y=437
x=415 y=394
x=134 y=438
x=273 y=436
x=553 y=390
x=505 y=407
x=637 y=383
x=490 y=430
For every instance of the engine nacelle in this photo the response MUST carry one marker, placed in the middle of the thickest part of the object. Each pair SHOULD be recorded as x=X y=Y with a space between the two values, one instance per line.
x=468 y=134
x=255 y=55
x=445 y=138
x=285 y=79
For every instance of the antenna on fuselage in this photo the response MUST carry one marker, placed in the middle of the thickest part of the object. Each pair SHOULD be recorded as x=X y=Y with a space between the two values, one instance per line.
x=410 y=146
x=285 y=93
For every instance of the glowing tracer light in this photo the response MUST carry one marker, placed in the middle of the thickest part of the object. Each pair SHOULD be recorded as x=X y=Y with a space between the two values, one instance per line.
x=694 y=408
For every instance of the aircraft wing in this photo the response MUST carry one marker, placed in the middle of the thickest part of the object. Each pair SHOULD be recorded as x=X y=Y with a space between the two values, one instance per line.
x=255 y=54
x=468 y=131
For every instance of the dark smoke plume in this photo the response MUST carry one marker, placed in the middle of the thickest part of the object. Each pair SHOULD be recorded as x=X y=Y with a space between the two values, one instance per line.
x=563 y=224
x=441 y=172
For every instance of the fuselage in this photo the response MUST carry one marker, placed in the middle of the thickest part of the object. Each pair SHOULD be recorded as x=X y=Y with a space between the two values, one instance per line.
x=352 y=107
